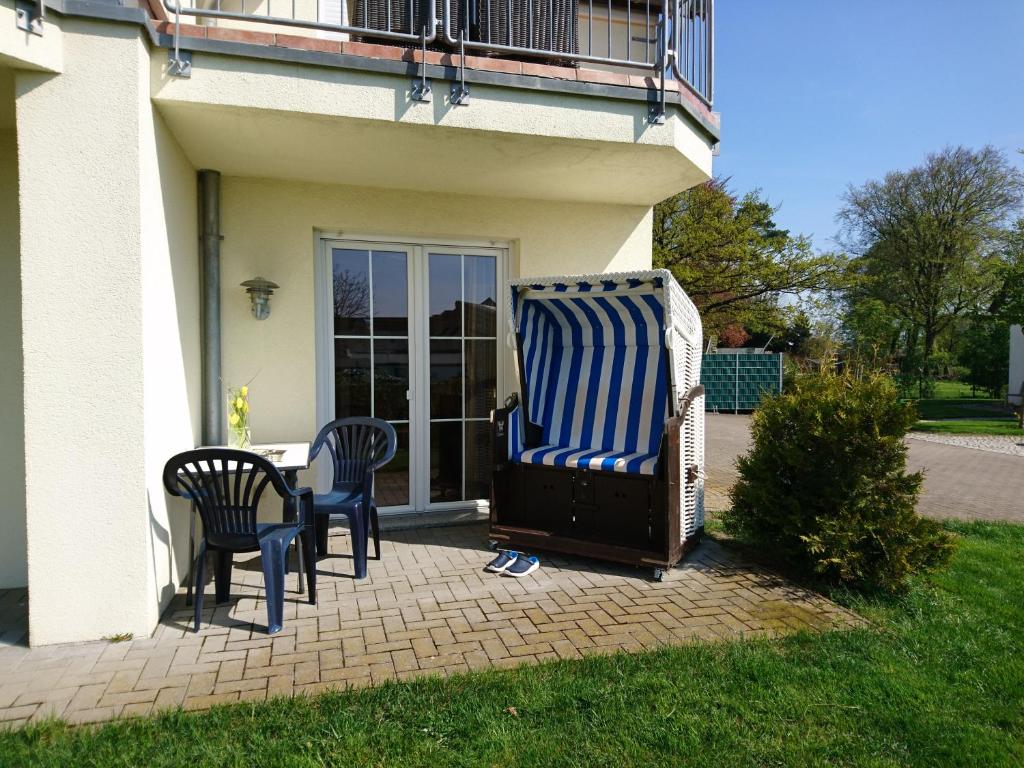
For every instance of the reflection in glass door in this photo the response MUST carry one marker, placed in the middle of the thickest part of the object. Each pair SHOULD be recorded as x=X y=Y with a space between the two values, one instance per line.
x=412 y=338
x=462 y=306
x=371 y=351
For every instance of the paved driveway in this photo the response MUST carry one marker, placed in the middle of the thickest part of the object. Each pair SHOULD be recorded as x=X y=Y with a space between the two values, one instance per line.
x=965 y=483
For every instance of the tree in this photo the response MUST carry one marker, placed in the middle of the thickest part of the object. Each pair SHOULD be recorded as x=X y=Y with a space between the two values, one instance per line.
x=732 y=258
x=797 y=334
x=1008 y=302
x=871 y=330
x=926 y=238
x=985 y=353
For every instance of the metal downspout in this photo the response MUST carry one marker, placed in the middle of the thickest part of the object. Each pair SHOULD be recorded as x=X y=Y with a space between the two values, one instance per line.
x=209 y=265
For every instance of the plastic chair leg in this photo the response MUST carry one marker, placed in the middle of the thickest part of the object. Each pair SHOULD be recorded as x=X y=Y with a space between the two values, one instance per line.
x=305 y=539
x=273 y=552
x=197 y=598
x=191 y=553
x=375 y=527
x=222 y=576
x=357 y=526
x=321 y=523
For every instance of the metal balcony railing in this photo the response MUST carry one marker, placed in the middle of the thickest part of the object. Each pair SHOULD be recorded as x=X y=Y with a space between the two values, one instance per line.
x=671 y=39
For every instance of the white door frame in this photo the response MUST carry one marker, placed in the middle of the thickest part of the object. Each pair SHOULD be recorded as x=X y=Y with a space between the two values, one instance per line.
x=419 y=341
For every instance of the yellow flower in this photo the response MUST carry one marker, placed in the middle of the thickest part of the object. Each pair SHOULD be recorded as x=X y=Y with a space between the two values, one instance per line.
x=239 y=402
x=233 y=418
x=245 y=407
x=244 y=391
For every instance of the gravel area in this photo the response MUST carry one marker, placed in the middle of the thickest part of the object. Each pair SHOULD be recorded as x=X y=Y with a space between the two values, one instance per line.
x=1008 y=444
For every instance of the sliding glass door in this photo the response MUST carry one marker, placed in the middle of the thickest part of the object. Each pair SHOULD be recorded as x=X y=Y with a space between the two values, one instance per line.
x=414 y=340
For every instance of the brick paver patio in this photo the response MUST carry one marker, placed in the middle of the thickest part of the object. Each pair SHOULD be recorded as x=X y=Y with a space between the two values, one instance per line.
x=427 y=608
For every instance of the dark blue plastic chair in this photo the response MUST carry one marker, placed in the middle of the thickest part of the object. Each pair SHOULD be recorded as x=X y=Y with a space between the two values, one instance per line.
x=226 y=486
x=358 y=447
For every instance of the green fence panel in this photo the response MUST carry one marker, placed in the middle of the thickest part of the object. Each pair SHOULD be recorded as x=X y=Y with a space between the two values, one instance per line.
x=737 y=382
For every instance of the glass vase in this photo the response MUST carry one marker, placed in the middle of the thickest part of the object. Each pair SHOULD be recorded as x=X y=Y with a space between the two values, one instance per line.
x=239 y=434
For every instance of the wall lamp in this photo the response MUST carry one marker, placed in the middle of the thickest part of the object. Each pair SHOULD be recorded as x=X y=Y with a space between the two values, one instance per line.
x=260 y=290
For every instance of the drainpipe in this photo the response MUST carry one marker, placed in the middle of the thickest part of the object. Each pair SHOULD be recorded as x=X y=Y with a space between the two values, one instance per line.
x=209 y=313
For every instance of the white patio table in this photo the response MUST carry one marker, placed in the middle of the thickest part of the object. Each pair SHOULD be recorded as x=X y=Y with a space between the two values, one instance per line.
x=289 y=458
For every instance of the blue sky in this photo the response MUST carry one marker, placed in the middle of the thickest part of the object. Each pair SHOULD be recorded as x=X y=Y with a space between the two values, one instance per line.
x=816 y=94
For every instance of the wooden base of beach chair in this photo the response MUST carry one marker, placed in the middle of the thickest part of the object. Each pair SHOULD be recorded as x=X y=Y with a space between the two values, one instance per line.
x=631 y=519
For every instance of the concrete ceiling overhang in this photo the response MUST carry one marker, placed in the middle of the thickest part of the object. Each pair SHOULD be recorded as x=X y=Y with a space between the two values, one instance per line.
x=258 y=119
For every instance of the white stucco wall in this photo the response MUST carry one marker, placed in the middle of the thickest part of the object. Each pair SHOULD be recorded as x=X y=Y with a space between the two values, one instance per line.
x=270 y=227
x=81 y=239
x=13 y=566
x=171 y=360
x=276 y=119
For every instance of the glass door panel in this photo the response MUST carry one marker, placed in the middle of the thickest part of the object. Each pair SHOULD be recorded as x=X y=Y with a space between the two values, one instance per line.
x=370 y=290
x=463 y=306
x=414 y=337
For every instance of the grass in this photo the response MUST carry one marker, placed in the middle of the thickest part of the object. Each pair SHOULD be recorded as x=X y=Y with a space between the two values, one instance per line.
x=1001 y=426
x=978 y=415
x=120 y=637
x=971 y=408
x=948 y=390
x=938 y=680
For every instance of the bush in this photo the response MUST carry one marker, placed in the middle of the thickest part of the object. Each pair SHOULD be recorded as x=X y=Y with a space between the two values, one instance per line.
x=825 y=485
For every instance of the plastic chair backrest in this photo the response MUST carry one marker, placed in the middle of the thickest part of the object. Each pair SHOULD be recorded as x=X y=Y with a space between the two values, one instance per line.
x=357 y=445
x=226 y=486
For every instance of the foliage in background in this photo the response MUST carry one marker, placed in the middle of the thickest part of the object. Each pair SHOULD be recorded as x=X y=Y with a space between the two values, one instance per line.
x=872 y=330
x=1008 y=302
x=925 y=237
x=931 y=247
x=984 y=350
x=734 y=261
x=825 y=486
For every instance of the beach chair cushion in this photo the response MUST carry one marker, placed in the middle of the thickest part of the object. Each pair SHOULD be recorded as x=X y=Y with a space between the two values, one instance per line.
x=607 y=461
x=596 y=374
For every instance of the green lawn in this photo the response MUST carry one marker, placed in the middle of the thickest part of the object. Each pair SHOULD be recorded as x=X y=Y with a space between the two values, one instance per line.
x=1001 y=426
x=964 y=408
x=945 y=390
x=982 y=415
x=938 y=680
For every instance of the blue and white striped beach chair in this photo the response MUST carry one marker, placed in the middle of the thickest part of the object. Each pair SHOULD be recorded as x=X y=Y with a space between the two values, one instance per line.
x=601 y=455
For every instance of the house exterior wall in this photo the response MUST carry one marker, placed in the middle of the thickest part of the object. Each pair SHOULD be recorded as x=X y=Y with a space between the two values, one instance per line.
x=82 y=316
x=13 y=564
x=171 y=344
x=108 y=320
x=270 y=229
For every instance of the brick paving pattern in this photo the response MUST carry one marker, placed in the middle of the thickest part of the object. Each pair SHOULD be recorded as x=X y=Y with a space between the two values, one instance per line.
x=427 y=608
x=960 y=482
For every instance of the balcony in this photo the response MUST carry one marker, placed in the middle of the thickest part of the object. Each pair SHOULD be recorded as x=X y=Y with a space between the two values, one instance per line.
x=596 y=103
x=668 y=42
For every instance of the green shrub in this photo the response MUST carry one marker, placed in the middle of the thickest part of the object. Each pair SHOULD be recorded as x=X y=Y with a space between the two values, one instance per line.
x=825 y=485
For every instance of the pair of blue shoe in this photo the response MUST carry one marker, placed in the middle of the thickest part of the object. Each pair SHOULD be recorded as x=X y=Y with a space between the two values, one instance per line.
x=513 y=564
